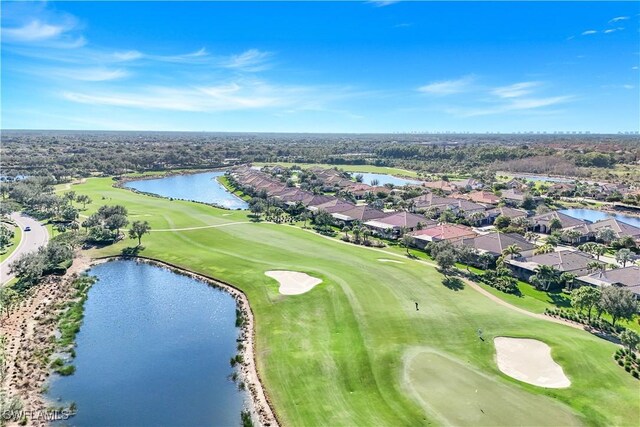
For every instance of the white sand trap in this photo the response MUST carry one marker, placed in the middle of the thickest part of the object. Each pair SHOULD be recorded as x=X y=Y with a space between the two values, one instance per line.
x=530 y=361
x=390 y=260
x=293 y=282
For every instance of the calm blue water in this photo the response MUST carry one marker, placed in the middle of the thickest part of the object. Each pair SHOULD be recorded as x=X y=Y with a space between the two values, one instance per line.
x=201 y=187
x=384 y=179
x=153 y=350
x=593 y=216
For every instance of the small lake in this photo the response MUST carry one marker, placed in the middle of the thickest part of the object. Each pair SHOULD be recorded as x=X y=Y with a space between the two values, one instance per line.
x=383 y=179
x=593 y=216
x=153 y=350
x=201 y=187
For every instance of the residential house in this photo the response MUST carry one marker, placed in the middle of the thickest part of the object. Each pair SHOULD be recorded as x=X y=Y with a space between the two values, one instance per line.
x=453 y=233
x=468 y=184
x=627 y=277
x=360 y=213
x=542 y=223
x=506 y=211
x=495 y=243
x=394 y=223
x=574 y=262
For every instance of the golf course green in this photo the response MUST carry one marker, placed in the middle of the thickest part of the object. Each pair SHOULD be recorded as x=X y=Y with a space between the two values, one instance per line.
x=344 y=353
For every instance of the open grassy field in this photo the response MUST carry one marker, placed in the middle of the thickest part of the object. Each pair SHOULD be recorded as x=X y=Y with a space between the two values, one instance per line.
x=341 y=353
x=349 y=168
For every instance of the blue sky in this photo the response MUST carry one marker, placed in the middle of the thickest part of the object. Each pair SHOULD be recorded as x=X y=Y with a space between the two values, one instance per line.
x=321 y=67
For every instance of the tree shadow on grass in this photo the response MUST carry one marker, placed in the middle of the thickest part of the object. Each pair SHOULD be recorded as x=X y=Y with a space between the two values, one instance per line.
x=453 y=283
x=131 y=251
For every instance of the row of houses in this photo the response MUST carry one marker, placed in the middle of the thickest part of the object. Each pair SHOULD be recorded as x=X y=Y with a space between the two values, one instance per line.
x=587 y=230
x=575 y=262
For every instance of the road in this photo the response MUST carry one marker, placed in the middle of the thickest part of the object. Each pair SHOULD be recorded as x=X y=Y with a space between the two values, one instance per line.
x=31 y=240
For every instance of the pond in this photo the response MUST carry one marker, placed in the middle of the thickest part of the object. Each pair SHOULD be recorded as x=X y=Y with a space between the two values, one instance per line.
x=201 y=187
x=383 y=179
x=153 y=350
x=593 y=216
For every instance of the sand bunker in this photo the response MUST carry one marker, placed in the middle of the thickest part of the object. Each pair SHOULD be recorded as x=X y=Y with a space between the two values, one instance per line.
x=530 y=361
x=390 y=260
x=293 y=282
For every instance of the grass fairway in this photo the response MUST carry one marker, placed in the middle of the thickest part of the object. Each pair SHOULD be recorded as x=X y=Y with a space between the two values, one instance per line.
x=335 y=355
x=441 y=384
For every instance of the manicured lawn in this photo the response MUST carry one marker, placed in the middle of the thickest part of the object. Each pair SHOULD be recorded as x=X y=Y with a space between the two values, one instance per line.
x=336 y=355
x=349 y=168
x=15 y=241
x=438 y=380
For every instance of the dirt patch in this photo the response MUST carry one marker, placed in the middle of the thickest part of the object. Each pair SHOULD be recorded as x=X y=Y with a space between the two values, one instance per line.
x=293 y=282
x=530 y=361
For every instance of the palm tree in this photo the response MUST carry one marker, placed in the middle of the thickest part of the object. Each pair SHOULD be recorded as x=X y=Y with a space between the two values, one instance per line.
x=512 y=251
x=356 y=233
x=546 y=275
x=572 y=235
x=606 y=235
x=544 y=249
x=346 y=231
x=599 y=250
x=623 y=256
x=555 y=224
x=476 y=217
x=594 y=266
x=531 y=236
x=366 y=233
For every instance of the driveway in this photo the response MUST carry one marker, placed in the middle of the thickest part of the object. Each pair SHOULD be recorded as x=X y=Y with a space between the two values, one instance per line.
x=31 y=240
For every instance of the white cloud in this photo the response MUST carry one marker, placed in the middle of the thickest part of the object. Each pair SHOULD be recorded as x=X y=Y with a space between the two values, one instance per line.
x=249 y=60
x=33 y=31
x=618 y=19
x=447 y=87
x=92 y=74
x=129 y=55
x=589 y=32
x=227 y=96
x=514 y=105
x=515 y=90
x=383 y=3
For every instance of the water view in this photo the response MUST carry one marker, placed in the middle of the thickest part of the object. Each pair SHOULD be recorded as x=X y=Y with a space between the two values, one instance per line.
x=593 y=216
x=383 y=179
x=201 y=187
x=153 y=350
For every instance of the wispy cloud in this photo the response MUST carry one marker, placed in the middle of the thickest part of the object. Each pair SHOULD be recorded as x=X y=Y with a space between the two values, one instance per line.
x=91 y=74
x=249 y=60
x=33 y=31
x=514 y=105
x=589 y=32
x=225 y=96
x=447 y=87
x=382 y=3
x=618 y=19
x=482 y=100
x=515 y=90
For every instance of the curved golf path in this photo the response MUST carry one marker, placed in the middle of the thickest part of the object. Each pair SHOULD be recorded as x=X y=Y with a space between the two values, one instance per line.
x=31 y=241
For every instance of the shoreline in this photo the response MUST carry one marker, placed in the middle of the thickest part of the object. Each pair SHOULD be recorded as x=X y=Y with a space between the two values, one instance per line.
x=29 y=340
x=119 y=182
x=29 y=329
x=260 y=405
